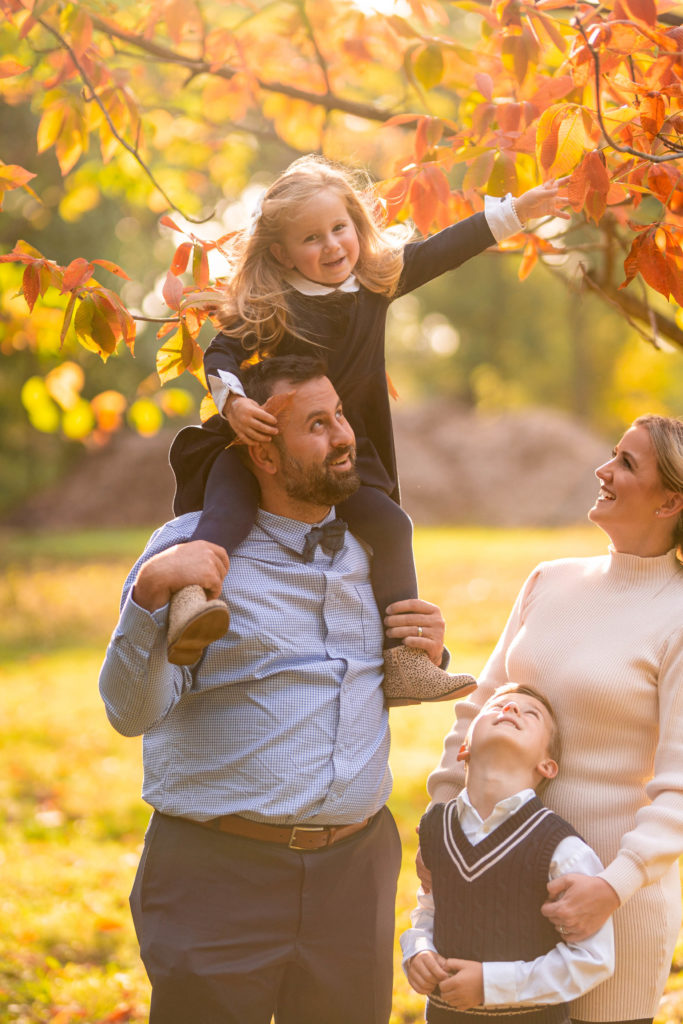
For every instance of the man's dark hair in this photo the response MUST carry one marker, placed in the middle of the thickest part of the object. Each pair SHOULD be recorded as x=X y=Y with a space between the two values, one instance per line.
x=260 y=378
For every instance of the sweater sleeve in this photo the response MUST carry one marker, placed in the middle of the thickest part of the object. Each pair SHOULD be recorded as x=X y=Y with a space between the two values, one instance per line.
x=446 y=781
x=446 y=250
x=649 y=849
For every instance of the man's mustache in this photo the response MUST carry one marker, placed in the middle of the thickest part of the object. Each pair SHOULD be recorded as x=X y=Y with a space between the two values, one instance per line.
x=339 y=453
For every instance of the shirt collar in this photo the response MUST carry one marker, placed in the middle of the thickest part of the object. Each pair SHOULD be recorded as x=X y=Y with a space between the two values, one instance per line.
x=291 y=533
x=308 y=287
x=503 y=809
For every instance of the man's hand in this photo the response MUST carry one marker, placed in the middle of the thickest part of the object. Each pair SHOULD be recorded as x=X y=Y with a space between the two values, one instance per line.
x=419 y=624
x=425 y=971
x=198 y=561
x=423 y=872
x=579 y=905
x=465 y=986
x=249 y=420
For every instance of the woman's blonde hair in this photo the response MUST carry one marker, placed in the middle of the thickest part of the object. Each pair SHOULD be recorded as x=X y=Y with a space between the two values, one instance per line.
x=256 y=308
x=666 y=434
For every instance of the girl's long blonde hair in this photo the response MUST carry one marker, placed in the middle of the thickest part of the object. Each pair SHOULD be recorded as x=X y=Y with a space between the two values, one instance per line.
x=256 y=308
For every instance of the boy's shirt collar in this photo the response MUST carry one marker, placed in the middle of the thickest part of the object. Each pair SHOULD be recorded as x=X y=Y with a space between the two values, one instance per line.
x=308 y=287
x=476 y=828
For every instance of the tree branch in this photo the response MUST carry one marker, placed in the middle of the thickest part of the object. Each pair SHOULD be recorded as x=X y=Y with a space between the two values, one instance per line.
x=105 y=113
x=330 y=101
x=651 y=157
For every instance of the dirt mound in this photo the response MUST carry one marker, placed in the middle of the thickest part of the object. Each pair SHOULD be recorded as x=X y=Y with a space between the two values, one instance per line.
x=530 y=468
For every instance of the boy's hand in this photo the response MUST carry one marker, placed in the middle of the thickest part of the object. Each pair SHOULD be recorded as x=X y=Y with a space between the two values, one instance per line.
x=465 y=986
x=542 y=201
x=249 y=420
x=425 y=971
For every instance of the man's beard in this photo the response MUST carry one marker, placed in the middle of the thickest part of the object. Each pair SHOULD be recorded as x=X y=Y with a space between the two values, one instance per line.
x=320 y=485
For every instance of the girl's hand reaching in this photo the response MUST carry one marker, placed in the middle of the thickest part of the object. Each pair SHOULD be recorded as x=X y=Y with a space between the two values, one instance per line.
x=542 y=201
x=249 y=420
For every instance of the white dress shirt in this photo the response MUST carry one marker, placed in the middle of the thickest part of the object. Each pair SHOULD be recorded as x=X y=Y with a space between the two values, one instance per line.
x=564 y=973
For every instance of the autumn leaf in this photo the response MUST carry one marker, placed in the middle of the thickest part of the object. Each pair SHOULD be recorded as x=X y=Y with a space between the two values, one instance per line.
x=172 y=291
x=181 y=258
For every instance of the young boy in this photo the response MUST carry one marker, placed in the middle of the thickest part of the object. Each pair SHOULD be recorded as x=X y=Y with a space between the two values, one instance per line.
x=480 y=943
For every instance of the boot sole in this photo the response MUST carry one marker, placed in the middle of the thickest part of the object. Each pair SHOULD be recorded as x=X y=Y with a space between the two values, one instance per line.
x=200 y=631
x=460 y=691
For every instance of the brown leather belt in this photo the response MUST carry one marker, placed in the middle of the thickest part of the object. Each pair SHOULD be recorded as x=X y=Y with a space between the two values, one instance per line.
x=296 y=837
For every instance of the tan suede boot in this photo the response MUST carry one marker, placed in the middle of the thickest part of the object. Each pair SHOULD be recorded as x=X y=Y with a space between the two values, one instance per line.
x=411 y=677
x=193 y=623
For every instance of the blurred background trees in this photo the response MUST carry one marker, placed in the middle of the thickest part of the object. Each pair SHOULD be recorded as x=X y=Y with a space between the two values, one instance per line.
x=114 y=117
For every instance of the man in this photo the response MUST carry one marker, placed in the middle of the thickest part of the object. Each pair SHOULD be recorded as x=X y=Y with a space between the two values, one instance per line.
x=268 y=878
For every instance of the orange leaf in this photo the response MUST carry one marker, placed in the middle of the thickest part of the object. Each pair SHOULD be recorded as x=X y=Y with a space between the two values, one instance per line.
x=113 y=268
x=393 y=393
x=76 y=274
x=529 y=260
x=200 y=266
x=168 y=223
x=31 y=285
x=180 y=258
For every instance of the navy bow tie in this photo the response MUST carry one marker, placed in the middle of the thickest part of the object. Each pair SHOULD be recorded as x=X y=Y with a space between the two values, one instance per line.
x=330 y=537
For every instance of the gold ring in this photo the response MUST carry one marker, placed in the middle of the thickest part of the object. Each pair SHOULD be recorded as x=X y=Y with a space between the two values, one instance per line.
x=419 y=630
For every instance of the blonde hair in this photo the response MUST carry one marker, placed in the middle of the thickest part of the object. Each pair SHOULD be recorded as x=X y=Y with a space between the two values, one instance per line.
x=666 y=434
x=256 y=308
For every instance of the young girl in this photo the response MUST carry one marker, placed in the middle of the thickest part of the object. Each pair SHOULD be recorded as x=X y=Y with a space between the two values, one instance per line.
x=316 y=271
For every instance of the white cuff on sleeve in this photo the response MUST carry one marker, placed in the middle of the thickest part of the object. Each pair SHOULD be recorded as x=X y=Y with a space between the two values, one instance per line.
x=222 y=386
x=500 y=983
x=501 y=216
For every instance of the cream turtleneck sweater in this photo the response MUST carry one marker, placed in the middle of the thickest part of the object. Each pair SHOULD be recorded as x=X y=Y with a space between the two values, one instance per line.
x=602 y=638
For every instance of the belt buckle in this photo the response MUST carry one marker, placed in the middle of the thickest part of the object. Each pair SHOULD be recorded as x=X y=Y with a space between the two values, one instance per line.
x=293 y=844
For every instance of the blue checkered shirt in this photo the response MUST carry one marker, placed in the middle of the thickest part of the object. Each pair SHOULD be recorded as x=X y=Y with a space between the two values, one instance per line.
x=283 y=719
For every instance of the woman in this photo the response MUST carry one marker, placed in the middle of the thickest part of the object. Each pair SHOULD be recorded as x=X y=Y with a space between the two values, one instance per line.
x=602 y=638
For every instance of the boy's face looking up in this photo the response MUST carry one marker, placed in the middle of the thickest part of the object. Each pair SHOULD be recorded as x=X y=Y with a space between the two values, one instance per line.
x=517 y=728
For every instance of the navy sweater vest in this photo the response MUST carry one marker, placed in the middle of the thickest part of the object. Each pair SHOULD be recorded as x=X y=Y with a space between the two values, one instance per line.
x=488 y=897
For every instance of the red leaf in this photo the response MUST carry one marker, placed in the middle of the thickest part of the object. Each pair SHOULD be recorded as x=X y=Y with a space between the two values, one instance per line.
x=76 y=274
x=168 y=223
x=180 y=258
x=31 y=285
x=172 y=291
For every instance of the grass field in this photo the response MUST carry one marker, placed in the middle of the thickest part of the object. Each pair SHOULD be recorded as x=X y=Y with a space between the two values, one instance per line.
x=73 y=821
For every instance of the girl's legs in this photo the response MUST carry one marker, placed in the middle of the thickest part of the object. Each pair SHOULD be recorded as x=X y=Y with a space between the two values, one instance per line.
x=374 y=517
x=230 y=504
x=410 y=677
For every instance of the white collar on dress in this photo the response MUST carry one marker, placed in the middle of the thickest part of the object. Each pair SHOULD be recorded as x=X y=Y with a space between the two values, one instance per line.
x=308 y=287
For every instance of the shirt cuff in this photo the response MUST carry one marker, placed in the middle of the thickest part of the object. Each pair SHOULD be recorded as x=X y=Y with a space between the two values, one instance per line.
x=501 y=216
x=500 y=983
x=140 y=627
x=412 y=942
x=222 y=386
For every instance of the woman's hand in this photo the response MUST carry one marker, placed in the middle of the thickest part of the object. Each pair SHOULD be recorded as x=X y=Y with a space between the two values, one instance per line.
x=542 y=201
x=419 y=624
x=423 y=872
x=249 y=420
x=579 y=905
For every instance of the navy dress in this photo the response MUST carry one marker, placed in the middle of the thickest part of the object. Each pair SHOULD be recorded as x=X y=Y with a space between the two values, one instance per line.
x=348 y=330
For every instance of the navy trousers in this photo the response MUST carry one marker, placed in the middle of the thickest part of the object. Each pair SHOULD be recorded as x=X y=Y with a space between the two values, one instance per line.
x=236 y=931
